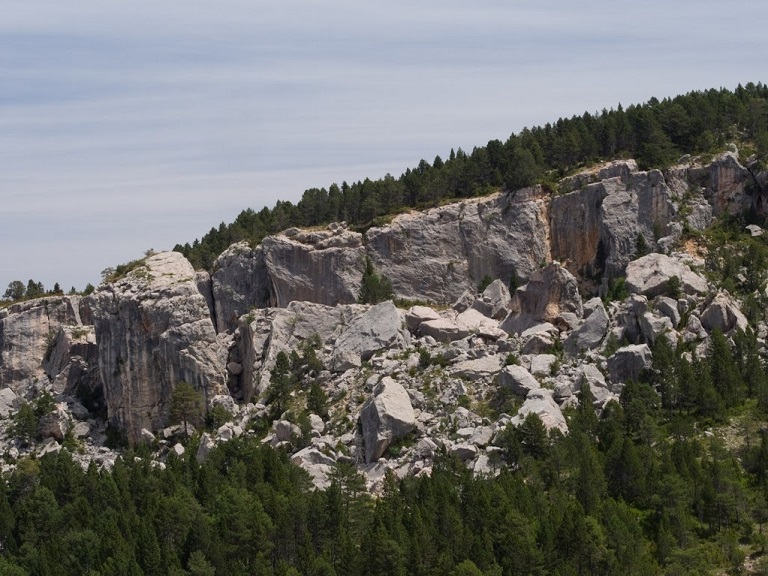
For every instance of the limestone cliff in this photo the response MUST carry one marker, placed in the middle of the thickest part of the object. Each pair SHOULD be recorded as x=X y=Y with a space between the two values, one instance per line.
x=28 y=331
x=154 y=330
x=436 y=255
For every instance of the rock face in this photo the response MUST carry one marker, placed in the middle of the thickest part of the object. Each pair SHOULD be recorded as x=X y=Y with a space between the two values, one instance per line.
x=385 y=418
x=438 y=254
x=154 y=330
x=239 y=282
x=263 y=334
x=595 y=230
x=28 y=332
x=379 y=328
x=723 y=182
x=550 y=292
x=650 y=276
x=323 y=266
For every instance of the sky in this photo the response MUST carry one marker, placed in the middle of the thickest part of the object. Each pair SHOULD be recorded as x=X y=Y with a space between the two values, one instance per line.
x=129 y=126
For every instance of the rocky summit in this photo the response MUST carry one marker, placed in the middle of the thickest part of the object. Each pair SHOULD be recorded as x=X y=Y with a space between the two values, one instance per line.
x=275 y=344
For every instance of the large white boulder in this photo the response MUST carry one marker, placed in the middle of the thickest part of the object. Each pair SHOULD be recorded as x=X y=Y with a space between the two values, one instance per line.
x=386 y=417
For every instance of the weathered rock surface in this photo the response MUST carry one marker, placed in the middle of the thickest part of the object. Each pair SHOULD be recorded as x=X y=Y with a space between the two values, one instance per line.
x=154 y=330
x=594 y=230
x=438 y=254
x=723 y=314
x=379 y=328
x=385 y=418
x=551 y=291
x=650 y=276
x=591 y=332
x=263 y=334
x=540 y=401
x=239 y=282
x=323 y=266
x=629 y=362
x=27 y=334
x=494 y=301
x=517 y=380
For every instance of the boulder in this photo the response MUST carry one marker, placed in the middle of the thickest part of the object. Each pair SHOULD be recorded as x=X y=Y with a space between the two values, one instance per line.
x=628 y=363
x=723 y=314
x=379 y=328
x=542 y=363
x=494 y=301
x=464 y=451
x=517 y=380
x=540 y=401
x=204 y=449
x=652 y=326
x=154 y=330
x=8 y=402
x=551 y=291
x=386 y=417
x=483 y=368
x=319 y=466
x=591 y=332
x=669 y=308
x=418 y=314
x=650 y=276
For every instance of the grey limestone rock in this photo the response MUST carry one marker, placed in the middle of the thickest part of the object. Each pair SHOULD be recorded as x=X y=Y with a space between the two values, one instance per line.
x=239 y=282
x=723 y=314
x=379 y=328
x=653 y=326
x=386 y=417
x=154 y=330
x=438 y=254
x=540 y=401
x=517 y=380
x=650 y=276
x=551 y=291
x=628 y=362
x=494 y=301
x=591 y=332
x=28 y=331
x=325 y=267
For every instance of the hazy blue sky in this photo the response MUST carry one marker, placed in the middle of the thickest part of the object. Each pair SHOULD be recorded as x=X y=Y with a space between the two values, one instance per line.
x=133 y=125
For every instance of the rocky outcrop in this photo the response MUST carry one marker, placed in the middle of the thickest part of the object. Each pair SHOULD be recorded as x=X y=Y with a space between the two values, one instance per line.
x=723 y=314
x=595 y=229
x=28 y=333
x=154 y=330
x=379 y=328
x=438 y=254
x=628 y=363
x=651 y=274
x=239 y=283
x=386 y=417
x=723 y=182
x=324 y=266
x=591 y=332
x=551 y=292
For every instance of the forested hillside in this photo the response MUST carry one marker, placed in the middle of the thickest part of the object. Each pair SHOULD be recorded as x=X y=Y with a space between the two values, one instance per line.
x=655 y=133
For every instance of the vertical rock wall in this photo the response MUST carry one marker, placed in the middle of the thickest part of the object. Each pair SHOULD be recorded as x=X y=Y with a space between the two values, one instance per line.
x=154 y=330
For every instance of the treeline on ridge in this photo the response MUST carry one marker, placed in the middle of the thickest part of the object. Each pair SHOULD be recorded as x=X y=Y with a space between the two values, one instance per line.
x=655 y=133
